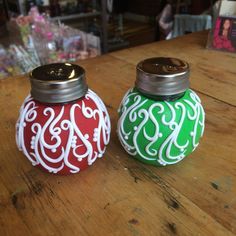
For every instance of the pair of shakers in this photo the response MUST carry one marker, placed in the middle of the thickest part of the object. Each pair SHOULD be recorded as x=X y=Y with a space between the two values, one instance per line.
x=64 y=126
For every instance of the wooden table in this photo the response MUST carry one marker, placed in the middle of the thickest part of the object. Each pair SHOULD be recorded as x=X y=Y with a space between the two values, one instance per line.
x=118 y=195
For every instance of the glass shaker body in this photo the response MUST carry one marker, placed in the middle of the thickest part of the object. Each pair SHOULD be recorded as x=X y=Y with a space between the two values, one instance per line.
x=63 y=126
x=161 y=119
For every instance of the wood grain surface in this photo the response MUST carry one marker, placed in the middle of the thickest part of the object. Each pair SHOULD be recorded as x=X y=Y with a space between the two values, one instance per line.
x=118 y=195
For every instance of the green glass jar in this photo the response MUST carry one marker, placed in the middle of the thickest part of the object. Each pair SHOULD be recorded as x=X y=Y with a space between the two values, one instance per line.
x=161 y=119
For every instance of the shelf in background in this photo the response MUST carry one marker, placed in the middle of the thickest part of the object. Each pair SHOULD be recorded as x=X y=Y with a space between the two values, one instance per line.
x=76 y=16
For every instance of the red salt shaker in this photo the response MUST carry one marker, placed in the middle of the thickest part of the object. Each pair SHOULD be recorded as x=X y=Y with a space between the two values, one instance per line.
x=63 y=126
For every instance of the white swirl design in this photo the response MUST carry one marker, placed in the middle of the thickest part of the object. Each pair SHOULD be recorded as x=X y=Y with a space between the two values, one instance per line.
x=56 y=142
x=159 y=126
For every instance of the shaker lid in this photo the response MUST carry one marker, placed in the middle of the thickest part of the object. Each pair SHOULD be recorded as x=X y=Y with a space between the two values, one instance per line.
x=58 y=83
x=162 y=76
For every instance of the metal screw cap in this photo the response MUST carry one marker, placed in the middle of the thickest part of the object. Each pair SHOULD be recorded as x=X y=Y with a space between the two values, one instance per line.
x=58 y=83
x=162 y=76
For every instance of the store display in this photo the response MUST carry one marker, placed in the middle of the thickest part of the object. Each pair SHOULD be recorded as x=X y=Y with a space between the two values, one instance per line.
x=8 y=65
x=45 y=42
x=59 y=42
x=63 y=126
x=25 y=60
x=161 y=119
x=16 y=59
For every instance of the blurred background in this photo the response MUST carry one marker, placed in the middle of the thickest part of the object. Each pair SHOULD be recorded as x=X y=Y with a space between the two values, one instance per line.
x=34 y=32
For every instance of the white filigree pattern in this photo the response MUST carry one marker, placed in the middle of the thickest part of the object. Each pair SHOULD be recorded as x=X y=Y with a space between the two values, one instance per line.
x=55 y=141
x=168 y=119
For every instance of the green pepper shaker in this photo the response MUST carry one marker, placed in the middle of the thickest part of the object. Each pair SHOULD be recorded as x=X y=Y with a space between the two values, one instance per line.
x=161 y=120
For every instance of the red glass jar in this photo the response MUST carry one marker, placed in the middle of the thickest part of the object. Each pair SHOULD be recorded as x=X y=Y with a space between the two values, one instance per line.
x=63 y=126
